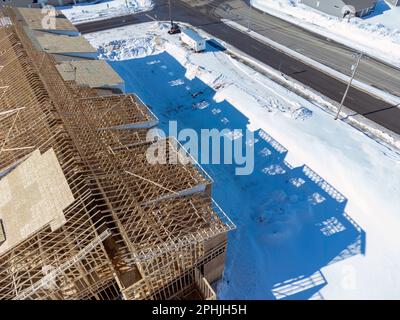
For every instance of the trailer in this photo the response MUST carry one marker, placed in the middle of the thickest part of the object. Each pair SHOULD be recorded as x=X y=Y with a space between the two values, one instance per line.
x=193 y=40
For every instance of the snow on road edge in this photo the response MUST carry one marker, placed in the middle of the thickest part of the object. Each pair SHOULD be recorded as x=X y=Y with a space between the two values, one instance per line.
x=336 y=74
x=375 y=40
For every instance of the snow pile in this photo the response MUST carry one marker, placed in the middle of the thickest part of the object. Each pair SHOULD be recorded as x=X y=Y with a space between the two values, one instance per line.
x=345 y=171
x=377 y=38
x=126 y=49
x=99 y=10
x=131 y=43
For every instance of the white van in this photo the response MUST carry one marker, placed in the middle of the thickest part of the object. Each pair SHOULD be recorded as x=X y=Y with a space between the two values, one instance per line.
x=193 y=40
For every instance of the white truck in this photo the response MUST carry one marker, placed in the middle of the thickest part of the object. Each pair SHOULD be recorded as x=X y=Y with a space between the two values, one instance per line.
x=193 y=40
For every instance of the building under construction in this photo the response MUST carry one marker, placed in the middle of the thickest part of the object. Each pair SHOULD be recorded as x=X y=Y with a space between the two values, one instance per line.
x=83 y=215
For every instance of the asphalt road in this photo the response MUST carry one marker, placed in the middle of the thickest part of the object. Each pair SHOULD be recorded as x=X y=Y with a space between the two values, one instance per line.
x=318 y=48
x=206 y=15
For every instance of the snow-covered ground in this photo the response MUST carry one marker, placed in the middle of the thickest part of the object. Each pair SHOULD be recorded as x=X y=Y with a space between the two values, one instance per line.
x=377 y=34
x=103 y=9
x=319 y=216
x=385 y=14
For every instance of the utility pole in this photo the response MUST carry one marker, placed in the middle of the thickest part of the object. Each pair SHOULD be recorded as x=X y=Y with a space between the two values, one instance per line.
x=249 y=18
x=349 y=84
x=170 y=12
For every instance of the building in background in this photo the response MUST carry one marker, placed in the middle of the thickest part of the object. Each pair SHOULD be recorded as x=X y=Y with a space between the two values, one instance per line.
x=343 y=8
x=394 y=2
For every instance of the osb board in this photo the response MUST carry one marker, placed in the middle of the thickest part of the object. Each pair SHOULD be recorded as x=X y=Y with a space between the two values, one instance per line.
x=215 y=242
x=32 y=196
x=38 y=19
x=213 y=270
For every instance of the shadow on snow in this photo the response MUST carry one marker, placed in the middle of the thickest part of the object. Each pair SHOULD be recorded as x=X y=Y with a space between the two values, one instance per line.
x=291 y=222
x=213 y=45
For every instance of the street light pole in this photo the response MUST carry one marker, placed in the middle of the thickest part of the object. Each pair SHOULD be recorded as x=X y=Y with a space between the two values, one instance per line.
x=349 y=85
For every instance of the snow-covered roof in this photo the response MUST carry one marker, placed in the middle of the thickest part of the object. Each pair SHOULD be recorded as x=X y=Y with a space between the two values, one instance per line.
x=360 y=4
x=193 y=34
